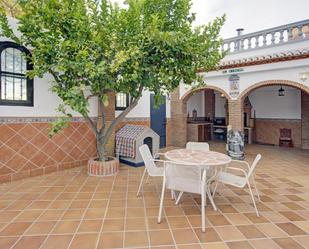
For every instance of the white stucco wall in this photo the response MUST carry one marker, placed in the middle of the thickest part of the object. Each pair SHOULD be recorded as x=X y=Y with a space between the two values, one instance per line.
x=219 y=105
x=196 y=101
x=45 y=103
x=267 y=104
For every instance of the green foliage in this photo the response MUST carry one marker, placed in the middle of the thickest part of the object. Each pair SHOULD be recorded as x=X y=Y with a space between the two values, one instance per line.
x=95 y=47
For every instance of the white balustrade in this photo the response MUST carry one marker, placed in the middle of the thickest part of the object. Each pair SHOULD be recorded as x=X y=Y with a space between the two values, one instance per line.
x=289 y=33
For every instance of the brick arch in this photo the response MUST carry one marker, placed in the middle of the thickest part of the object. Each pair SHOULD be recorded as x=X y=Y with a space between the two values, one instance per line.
x=184 y=99
x=290 y=83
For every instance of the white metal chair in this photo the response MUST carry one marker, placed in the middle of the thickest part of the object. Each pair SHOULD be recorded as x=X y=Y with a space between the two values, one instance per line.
x=184 y=178
x=150 y=167
x=197 y=146
x=241 y=181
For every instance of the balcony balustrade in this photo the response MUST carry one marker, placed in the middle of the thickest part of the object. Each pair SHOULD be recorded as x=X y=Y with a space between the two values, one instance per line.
x=284 y=34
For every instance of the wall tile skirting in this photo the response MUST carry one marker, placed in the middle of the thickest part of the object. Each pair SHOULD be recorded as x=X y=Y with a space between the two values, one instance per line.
x=268 y=130
x=26 y=150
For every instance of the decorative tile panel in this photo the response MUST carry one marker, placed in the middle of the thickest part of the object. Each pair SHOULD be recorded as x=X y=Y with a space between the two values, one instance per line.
x=26 y=150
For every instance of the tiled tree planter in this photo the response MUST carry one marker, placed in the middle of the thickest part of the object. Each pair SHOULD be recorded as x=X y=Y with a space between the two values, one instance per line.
x=96 y=168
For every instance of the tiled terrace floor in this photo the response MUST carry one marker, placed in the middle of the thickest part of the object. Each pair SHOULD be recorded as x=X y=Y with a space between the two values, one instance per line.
x=71 y=210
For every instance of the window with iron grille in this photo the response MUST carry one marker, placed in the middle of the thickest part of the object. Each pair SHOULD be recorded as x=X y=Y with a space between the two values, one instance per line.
x=122 y=101
x=15 y=87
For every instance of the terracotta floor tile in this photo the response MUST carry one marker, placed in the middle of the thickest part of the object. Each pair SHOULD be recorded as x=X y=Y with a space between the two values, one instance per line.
x=304 y=241
x=288 y=243
x=291 y=229
x=87 y=226
x=57 y=242
x=161 y=237
x=28 y=215
x=153 y=224
x=215 y=245
x=264 y=244
x=292 y=216
x=239 y=245
x=30 y=242
x=238 y=219
x=210 y=235
x=113 y=225
x=304 y=225
x=49 y=215
x=184 y=236
x=14 y=229
x=111 y=240
x=218 y=220
x=178 y=222
x=136 y=239
x=7 y=242
x=74 y=214
x=113 y=213
x=250 y=231
x=227 y=209
x=96 y=213
x=191 y=246
x=84 y=241
x=293 y=206
x=271 y=230
x=40 y=228
x=67 y=226
x=132 y=224
x=254 y=219
x=228 y=233
x=135 y=212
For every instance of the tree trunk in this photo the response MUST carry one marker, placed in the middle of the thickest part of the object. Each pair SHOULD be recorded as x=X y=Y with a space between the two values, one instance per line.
x=100 y=147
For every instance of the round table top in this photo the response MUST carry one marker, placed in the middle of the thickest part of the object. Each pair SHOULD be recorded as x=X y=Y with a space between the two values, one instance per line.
x=207 y=158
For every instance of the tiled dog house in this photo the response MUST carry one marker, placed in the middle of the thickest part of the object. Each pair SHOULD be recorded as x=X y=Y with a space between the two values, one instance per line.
x=129 y=138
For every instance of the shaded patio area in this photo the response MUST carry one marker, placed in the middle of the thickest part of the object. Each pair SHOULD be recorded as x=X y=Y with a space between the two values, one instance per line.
x=69 y=209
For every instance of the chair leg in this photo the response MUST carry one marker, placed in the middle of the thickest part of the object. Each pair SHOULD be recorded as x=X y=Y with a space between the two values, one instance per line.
x=215 y=189
x=211 y=199
x=141 y=183
x=161 y=200
x=178 y=198
x=203 y=204
x=252 y=197
x=256 y=190
x=147 y=179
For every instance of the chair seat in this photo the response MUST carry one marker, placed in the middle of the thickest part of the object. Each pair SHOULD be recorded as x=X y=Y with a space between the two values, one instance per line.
x=231 y=179
x=285 y=139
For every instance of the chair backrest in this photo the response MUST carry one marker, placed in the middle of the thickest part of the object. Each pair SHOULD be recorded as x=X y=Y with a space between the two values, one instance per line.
x=254 y=164
x=197 y=146
x=183 y=177
x=148 y=159
x=285 y=133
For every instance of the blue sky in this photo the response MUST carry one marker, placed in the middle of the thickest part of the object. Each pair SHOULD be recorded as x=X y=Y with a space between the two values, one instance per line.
x=252 y=15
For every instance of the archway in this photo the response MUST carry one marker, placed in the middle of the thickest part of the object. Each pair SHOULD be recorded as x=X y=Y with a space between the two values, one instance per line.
x=280 y=109
x=204 y=114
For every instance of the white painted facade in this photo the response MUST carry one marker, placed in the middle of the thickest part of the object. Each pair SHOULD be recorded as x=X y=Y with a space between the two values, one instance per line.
x=45 y=102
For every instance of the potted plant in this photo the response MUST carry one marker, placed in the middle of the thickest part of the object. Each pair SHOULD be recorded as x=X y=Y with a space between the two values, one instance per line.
x=93 y=49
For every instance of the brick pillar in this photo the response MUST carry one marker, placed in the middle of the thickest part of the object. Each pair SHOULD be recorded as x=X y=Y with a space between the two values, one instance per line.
x=304 y=120
x=109 y=112
x=178 y=120
x=210 y=102
x=236 y=114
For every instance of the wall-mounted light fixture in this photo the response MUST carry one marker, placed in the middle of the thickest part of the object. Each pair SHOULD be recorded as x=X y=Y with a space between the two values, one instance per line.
x=304 y=75
x=281 y=91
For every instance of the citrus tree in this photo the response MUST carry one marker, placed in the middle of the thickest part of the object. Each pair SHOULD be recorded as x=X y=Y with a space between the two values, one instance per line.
x=94 y=48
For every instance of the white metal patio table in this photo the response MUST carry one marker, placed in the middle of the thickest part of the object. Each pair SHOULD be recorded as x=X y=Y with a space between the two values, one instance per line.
x=211 y=161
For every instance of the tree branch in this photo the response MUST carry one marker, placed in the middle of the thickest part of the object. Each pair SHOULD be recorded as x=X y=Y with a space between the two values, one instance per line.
x=117 y=120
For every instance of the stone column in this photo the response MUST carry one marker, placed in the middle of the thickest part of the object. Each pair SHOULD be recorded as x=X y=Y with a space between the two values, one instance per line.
x=236 y=114
x=304 y=120
x=178 y=121
x=210 y=102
